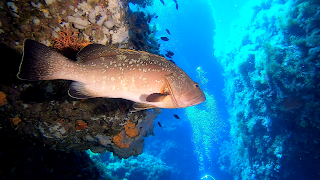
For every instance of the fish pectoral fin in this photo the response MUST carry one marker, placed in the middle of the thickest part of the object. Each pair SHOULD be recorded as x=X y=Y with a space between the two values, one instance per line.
x=156 y=97
x=80 y=90
x=140 y=106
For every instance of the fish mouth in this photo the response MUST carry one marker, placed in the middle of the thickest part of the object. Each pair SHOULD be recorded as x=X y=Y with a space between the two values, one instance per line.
x=197 y=100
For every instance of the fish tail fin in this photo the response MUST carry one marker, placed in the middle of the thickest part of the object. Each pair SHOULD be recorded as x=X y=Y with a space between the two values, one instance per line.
x=40 y=62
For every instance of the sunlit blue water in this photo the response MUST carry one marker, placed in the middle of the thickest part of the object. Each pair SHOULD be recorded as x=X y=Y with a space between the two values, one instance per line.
x=191 y=145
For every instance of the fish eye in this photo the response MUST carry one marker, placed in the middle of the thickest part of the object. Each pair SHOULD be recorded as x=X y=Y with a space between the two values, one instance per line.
x=196 y=85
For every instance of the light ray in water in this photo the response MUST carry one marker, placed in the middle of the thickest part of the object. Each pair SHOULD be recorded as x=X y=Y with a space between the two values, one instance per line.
x=206 y=126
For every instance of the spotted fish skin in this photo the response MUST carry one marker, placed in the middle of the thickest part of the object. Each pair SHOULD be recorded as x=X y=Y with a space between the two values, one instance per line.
x=101 y=71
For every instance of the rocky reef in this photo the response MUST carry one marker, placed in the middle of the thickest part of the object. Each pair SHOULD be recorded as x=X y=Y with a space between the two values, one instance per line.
x=145 y=166
x=76 y=23
x=43 y=110
x=271 y=63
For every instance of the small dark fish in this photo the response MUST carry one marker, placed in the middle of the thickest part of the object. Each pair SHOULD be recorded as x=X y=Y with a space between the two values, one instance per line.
x=168 y=31
x=149 y=18
x=176 y=4
x=156 y=16
x=176 y=116
x=165 y=38
x=159 y=124
x=162 y=2
x=169 y=54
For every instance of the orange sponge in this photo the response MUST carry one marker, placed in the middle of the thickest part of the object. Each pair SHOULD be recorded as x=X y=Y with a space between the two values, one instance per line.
x=2 y=98
x=117 y=140
x=15 y=121
x=80 y=125
x=131 y=130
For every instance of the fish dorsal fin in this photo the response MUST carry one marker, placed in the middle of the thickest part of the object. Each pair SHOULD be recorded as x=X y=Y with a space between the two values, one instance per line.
x=174 y=84
x=93 y=51
x=141 y=106
x=80 y=90
x=156 y=97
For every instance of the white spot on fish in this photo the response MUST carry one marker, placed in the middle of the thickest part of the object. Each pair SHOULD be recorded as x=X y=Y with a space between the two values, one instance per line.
x=121 y=57
x=132 y=80
x=113 y=87
x=144 y=56
x=112 y=79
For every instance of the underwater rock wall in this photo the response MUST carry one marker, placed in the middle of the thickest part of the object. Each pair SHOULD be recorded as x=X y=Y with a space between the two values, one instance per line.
x=271 y=65
x=73 y=24
x=94 y=21
x=42 y=111
x=145 y=166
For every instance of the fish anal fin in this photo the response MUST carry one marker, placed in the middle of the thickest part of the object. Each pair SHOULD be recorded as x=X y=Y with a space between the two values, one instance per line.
x=80 y=90
x=141 y=106
x=156 y=97
x=93 y=51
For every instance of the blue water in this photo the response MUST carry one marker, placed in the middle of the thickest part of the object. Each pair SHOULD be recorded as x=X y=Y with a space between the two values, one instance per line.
x=192 y=32
x=190 y=146
x=260 y=119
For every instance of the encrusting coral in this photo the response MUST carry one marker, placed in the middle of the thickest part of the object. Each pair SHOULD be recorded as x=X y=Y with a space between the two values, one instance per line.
x=118 y=141
x=15 y=121
x=69 y=40
x=131 y=130
x=80 y=125
x=2 y=98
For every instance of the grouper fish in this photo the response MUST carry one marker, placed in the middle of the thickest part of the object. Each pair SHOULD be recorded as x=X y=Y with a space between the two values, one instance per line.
x=102 y=71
